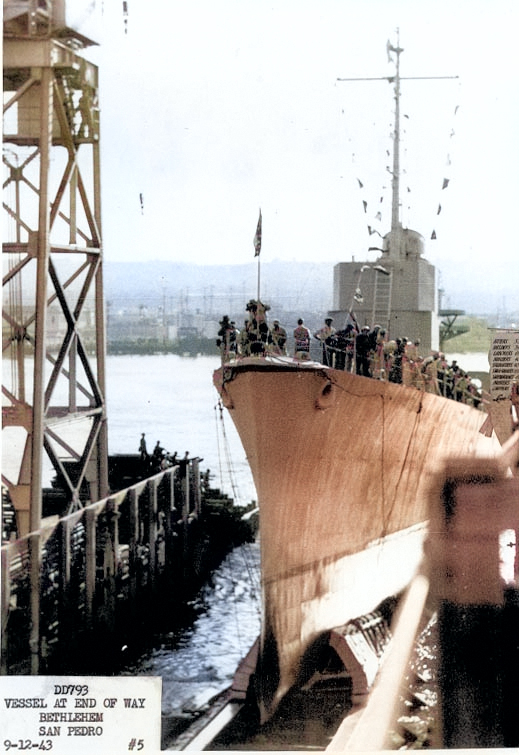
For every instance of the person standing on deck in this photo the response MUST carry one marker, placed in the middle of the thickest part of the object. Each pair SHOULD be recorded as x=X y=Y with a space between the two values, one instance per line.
x=234 y=338
x=302 y=341
x=442 y=373
x=378 y=339
x=351 y=334
x=324 y=335
x=258 y=327
x=343 y=346
x=143 y=452
x=279 y=338
x=363 y=352
x=338 y=345
x=411 y=371
x=389 y=355
x=244 y=340
x=351 y=331
x=395 y=374
x=156 y=459
x=429 y=371
x=460 y=386
x=224 y=338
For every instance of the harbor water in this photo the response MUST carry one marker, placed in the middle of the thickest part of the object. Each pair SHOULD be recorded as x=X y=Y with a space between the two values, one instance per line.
x=198 y=661
x=172 y=400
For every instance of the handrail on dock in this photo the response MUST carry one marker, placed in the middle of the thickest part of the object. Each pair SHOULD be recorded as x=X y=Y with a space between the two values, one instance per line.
x=98 y=570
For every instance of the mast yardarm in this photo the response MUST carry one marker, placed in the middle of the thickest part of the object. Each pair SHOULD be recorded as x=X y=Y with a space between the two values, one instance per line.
x=396 y=225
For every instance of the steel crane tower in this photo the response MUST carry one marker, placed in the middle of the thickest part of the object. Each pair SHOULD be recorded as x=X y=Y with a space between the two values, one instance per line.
x=53 y=328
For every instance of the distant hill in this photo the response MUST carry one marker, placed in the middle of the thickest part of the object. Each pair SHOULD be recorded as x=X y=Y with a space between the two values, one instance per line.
x=218 y=288
x=286 y=286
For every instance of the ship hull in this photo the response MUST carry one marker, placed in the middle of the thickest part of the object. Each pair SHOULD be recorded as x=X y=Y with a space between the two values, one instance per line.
x=342 y=465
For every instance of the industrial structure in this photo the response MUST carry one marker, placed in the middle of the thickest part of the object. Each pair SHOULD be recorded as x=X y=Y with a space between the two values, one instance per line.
x=53 y=394
x=399 y=292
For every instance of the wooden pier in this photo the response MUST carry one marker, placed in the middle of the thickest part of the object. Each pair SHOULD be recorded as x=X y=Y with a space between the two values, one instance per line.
x=110 y=571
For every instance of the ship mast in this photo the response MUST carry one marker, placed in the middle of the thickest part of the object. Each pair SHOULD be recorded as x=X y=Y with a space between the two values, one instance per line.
x=394 y=241
x=395 y=201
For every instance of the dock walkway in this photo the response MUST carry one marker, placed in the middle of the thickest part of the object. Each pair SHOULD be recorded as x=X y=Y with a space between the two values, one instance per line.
x=87 y=584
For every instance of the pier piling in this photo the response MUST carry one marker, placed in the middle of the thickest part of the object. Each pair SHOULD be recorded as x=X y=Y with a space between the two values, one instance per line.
x=110 y=572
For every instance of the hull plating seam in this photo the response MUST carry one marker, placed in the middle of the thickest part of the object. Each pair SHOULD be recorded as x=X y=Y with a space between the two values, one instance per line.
x=308 y=568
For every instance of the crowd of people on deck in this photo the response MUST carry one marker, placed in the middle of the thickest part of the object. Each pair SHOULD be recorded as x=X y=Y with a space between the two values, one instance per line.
x=369 y=353
x=364 y=350
x=256 y=337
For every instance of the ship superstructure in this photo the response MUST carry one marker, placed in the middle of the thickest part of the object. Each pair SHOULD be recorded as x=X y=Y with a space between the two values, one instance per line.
x=399 y=291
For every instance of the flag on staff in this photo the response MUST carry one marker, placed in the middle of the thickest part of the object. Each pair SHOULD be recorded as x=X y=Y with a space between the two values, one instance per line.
x=257 y=237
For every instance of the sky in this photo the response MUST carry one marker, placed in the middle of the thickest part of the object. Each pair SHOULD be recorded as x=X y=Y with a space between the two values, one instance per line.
x=213 y=110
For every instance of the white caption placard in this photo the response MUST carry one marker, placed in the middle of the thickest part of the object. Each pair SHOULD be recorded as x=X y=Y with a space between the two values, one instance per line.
x=504 y=362
x=74 y=714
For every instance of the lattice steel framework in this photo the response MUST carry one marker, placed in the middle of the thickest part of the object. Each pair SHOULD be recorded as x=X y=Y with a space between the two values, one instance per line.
x=53 y=333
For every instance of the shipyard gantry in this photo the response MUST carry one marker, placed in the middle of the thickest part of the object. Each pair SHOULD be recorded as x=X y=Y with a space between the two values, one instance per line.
x=53 y=335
